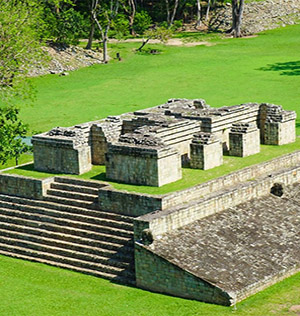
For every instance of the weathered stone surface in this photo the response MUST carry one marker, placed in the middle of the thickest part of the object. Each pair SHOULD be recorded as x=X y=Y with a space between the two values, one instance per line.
x=244 y=248
x=260 y=15
x=206 y=151
x=244 y=140
x=142 y=159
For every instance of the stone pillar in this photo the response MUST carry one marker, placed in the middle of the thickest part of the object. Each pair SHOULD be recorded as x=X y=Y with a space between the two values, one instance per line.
x=278 y=127
x=206 y=151
x=244 y=140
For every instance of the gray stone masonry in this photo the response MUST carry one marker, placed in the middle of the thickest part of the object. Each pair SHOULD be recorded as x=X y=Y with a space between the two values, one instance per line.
x=75 y=149
x=142 y=159
x=240 y=250
x=244 y=140
x=206 y=151
x=277 y=126
x=63 y=150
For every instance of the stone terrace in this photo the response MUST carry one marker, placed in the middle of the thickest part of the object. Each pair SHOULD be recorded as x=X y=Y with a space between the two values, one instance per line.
x=242 y=248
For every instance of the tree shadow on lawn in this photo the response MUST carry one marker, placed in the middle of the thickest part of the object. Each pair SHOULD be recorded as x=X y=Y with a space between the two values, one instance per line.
x=291 y=68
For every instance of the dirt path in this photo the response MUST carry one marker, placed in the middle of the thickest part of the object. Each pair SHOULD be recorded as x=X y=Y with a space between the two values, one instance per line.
x=171 y=42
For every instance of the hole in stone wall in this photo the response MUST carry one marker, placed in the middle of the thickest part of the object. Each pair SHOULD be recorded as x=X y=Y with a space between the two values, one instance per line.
x=277 y=189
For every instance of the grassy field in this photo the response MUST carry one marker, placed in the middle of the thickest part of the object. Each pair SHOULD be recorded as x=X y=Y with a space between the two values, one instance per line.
x=33 y=289
x=263 y=69
x=260 y=69
x=190 y=177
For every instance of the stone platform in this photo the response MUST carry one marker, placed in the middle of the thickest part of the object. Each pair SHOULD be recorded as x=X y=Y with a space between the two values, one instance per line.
x=240 y=250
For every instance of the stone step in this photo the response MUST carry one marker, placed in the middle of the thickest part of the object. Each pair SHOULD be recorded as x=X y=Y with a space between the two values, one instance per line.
x=72 y=202
x=38 y=254
x=122 y=247
x=66 y=222
x=97 y=251
x=65 y=215
x=79 y=182
x=74 y=188
x=66 y=208
x=106 y=264
x=72 y=195
x=120 y=224
x=66 y=229
x=128 y=279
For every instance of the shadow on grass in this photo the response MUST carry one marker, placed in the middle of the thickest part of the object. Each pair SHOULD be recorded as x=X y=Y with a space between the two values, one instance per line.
x=291 y=68
x=101 y=177
x=29 y=167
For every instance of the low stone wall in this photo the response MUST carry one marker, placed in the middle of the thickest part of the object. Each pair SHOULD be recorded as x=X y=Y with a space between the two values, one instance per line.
x=24 y=186
x=127 y=203
x=137 y=204
x=203 y=189
x=167 y=220
x=152 y=271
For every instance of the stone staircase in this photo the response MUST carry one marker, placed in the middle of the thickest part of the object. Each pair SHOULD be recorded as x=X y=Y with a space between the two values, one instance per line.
x=66 y=229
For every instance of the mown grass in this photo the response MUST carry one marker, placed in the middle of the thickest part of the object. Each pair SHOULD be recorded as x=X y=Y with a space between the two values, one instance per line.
x=28 y=288
x=190 y=177
x=262 y=69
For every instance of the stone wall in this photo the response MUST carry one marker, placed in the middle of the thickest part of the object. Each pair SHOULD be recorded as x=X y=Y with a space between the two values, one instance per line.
x=157 y=274
x=137 y=204
x=169 y=219
x=128 y=203
x=153 y=165
x=260 y=15
x=24 y=186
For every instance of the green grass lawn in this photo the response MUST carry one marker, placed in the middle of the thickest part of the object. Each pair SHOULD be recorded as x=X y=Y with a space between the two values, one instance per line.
x=33 y=289
x=263 y=69
x=190 y=177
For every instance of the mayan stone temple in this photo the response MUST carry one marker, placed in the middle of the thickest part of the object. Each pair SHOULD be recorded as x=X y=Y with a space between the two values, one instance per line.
x=218 y=242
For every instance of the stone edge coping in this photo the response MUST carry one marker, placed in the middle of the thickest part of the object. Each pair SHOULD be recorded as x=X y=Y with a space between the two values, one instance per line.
x=162 y=213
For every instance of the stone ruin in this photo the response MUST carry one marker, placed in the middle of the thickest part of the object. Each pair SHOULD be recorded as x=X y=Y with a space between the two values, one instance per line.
x=149 y=147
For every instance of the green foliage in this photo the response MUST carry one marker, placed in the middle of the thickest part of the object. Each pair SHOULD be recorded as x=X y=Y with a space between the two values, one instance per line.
x=65 y=27
x=142 y=22
x=19 y=48
x=160 y=33
x=11 y=131
x=119 y=27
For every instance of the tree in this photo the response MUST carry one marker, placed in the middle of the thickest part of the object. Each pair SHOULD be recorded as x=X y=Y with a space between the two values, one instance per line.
x=130 y=10
x=102 y=16
x=237 y=15
x=171 y=11
x=19 y=52
x=12 y=130
x=160 y=33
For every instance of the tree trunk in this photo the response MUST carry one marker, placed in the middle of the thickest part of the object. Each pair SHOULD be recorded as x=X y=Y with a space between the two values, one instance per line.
x=207 y=10
x=143 y=44
x=237 y=15
x=168 y=12
x=174 y=12
x=91 y=35
x=105 y=55
x=198 y=24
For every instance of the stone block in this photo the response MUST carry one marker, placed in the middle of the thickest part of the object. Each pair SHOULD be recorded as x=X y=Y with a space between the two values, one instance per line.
x=244 y=140
x=206 y=152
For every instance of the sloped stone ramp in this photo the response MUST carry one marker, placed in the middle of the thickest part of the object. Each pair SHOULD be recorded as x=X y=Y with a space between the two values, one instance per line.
x=226 y=257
